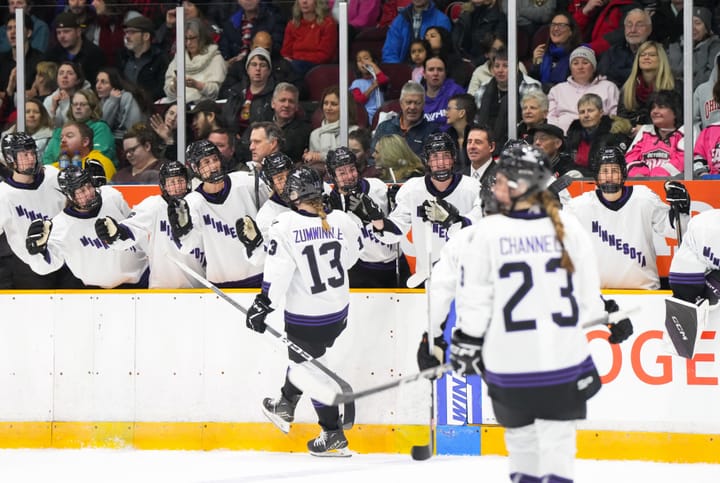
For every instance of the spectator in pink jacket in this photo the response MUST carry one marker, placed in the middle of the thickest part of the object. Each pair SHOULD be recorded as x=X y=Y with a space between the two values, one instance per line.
x=563 y=97
x=657 y=149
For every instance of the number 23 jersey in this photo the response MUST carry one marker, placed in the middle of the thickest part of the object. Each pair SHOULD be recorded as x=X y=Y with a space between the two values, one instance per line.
x=513 y=291
x=307 y=266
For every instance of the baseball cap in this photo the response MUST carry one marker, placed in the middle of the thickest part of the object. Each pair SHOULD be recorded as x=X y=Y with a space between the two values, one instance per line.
x=206 y=106
x=67 y=20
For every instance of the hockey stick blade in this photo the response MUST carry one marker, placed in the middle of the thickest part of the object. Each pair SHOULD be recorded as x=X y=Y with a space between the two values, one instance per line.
x=421 y=453
x=349 y=412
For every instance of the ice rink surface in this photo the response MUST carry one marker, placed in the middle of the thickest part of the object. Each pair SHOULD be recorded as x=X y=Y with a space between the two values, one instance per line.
x=131 y=466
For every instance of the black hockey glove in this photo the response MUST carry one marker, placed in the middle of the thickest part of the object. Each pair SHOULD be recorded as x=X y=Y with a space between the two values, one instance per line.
x=249 y=234
x=109 y=230
x=611 y=306
x=332 y=201
x=466 y=354
x=257 y=313
x=426 y=360
x=37 y=236
x=440 y=211
x=392 y=195
x=620 y=331
x=712 y=287
x=677 y=195
x=364 y=207
x=179 y=218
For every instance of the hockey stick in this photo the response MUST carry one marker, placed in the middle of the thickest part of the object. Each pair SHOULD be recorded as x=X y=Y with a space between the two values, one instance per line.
x=349 y=407
x=397 y=246
x=678 y=228
x=323 y=393
x=423 y=452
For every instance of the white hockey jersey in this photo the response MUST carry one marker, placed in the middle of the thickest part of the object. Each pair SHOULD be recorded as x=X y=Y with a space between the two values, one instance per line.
x=306 y=267
x=73 y=241
x=213 y=217
x=623 y=236
x=463 y=193
x=699 y=252
x=513 y=292
x=267 y=214
x=22 y=204
x=151 y=232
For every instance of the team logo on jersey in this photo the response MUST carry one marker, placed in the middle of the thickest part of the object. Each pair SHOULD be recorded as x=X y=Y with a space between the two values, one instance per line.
x=219 y=226
x=710 y=255
x=23 y=212
x=86 y=241
x=617 y=243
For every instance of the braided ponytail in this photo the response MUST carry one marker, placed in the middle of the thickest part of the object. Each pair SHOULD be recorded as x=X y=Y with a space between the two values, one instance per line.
x=319 y=208
x=552 y=208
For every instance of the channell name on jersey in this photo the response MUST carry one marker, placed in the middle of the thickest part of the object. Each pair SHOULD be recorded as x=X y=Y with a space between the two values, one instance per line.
x=529 y=244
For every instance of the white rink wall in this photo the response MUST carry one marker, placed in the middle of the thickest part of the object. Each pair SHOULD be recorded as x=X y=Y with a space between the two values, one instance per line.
x=187 y=356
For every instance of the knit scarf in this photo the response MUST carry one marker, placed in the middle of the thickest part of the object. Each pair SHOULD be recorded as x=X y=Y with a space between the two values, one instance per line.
x=558 y=56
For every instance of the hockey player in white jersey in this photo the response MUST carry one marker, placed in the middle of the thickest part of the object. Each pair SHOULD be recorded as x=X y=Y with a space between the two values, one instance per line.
x=252 y=233
x=621 y=221
x=70 y=236
x=377 y=265
x=206 y=218
x=695 y=267
x=309 y=253
x=29 y=193
x=148 y=228
x=433 y=206
x=531 y=290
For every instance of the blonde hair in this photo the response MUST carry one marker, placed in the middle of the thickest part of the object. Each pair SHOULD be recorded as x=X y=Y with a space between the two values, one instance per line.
x=396 y=154
x=317 y=205
x=551 y=205
x=664 y=79
x=321 y=11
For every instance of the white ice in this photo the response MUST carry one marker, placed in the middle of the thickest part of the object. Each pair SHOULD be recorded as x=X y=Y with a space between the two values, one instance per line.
x=131 y=466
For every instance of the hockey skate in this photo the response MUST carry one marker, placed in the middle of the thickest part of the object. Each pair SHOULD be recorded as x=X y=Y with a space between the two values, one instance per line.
x=280 y=412
x=330 y=443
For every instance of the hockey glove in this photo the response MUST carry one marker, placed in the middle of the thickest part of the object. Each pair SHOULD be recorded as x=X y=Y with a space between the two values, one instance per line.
x=257 y=313
x=37 y=236
x=677 y=195
x=466 y=354
x=712 y=287
x=392 y=195
x=332 y=201
x=620 y=331
x=108 y=230
x=249 y=234
x=611 y=306
x=426 y=360
x=179 y=218
x=441 y=212
x=364 y=207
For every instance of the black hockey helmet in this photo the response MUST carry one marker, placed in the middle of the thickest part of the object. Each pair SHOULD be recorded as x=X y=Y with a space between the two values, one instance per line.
x=526 y=168
x=198 y=151
x=439 y=142
x=303 y=184
x=71 y=179
x=609 y=155
x=274 y=164
x=340 y=156
x=14 y=143
x=512 y=143
x=97 y=172
x=173 y=169
x=488 y=202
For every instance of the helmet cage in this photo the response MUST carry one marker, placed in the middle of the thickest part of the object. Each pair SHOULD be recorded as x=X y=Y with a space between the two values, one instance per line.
x=198 y=151
x=302 y=184
x=14 y=143
x=610 y=155
x=73 y=178
x=172 y=169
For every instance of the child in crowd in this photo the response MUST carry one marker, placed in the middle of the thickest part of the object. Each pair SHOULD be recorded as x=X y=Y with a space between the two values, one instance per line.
x=419 y=49
x=366 y=88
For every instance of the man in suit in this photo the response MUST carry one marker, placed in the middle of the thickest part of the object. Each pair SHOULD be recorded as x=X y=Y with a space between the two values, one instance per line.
x=480 y=146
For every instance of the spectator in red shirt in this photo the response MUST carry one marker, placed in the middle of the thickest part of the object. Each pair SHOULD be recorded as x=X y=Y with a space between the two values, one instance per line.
x=311 y=37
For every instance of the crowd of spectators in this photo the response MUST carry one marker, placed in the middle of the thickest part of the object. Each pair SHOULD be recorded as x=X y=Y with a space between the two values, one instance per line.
x=238 y=53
